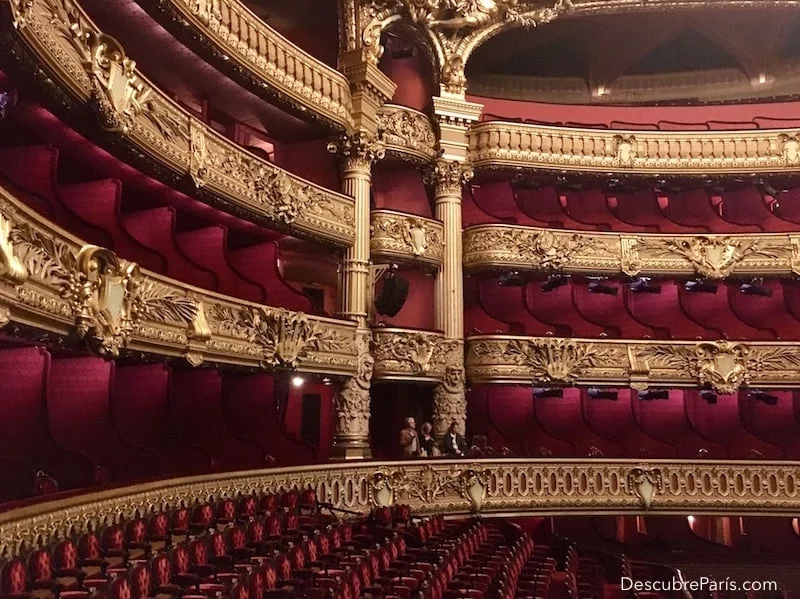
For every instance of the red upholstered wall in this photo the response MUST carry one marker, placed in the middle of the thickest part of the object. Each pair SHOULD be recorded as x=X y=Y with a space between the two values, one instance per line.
x=401 y=189
x=311 y=160
x=414 y=87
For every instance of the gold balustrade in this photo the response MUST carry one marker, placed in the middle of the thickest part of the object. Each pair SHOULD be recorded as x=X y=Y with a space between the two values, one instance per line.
x=502 y=247
x=50 y=281
x=406 y=237
x=412 y=355
x=95 y=69
x=407 y=133
x=724 y=366
x=489 y=487
x=270 y=63
x=495 y=144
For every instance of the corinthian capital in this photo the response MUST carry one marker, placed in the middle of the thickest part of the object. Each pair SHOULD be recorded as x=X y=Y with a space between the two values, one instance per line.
x=447 y=176
x=358 y=151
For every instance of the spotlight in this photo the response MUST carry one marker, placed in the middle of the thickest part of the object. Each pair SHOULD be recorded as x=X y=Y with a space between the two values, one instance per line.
x=653 y=394
x=327 y=381
x=554 y=282
x=709 y=397
x=598 y=285
x=511 y=279
x=644 y=285
x=770 y=400
x=755 y=287
x=297 y=381
x=545 y=392
x=700 y=286
x=602 y=394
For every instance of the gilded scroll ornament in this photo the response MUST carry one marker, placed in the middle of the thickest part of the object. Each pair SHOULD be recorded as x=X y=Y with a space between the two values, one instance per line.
x=789 y=149
x=558 y=360
x=474 y=486
x=646 y=483
x=625 y=150
x=20 y=9
x=425 y=484
x=207 y=11
x=406 y=236
x=411 y=354
x=414 y=350
x=714 y=257
x=118 y=94
x=11 y=269
x=198 y=153
x=286 y=338
x=450 y=400
x=5 y=316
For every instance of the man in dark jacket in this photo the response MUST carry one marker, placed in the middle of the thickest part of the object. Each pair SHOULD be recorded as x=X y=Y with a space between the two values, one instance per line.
x=453 y=443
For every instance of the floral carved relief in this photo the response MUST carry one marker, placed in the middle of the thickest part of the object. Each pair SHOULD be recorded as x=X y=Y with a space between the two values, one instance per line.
x=408 y=354
x=407 y=132
x=405 y=236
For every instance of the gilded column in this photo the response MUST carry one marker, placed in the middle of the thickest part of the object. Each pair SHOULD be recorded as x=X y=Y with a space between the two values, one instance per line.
x=447 y=177
x=356 y=153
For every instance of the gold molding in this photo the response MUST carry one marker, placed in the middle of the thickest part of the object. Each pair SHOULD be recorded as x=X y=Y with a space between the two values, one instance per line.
x=407 y=132
x=723 y=366
x=247 y=41
x=400 y=236
x=496 y=144
x=491 y=487
x=96 y=70
x=59 y=284
x=412 y=355
x=489 y=247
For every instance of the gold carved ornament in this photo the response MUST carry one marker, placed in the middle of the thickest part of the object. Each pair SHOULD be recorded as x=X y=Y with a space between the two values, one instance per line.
x=449 y=397
x=558 y=360
x=107 y=297
x=447 y=177
x=711 y=257
x=285 y=338
x=118 y=94
x=407 y=131
x=646 y=483
x=351 y=401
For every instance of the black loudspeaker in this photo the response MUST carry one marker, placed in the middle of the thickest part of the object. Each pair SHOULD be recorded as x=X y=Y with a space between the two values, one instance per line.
x=393 y=295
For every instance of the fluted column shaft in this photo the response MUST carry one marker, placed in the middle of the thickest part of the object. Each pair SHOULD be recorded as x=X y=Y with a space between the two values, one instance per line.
x=357 y=152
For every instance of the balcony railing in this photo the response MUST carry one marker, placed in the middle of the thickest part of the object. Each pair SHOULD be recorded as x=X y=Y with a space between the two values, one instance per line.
x=496 y=144
x=247 y=46
x=490 y=487
x=50 y=281
x=503 y=247
x=407 y=237
x=96 y=71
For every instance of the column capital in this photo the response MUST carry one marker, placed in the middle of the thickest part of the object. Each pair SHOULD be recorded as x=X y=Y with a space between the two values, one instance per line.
x=357 y=151
x=448 y=176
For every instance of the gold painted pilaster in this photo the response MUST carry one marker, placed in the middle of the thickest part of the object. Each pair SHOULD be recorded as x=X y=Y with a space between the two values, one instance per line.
x=357 y=152
x=447 y=177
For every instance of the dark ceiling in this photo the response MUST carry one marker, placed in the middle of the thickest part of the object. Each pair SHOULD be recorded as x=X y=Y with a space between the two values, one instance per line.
x=602 y=49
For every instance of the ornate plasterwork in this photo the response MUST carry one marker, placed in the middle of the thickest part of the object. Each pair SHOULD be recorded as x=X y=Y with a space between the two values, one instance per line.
x=454 y=29
x=242 y=44
x=96 y=70
x=449 y=396
x=489 y=247
x=447 y=177
x=52 y=282
x=406 y=237
x=720 y=365
x=492 y=487
x=496 y=143
x=351 y=401
x=402 y=354
x=358 y=151
x=407 y=133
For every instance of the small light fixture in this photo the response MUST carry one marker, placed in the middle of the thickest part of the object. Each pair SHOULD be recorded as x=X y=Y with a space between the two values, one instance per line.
x=327 y=381
x=691 y=521
x=297 y=381
x=601 y=91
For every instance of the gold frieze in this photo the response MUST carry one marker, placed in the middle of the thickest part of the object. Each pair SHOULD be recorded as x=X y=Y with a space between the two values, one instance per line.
x=495 y=144
x=493 y=247
x=722 y=366
x=399 y=236
x=408 y=354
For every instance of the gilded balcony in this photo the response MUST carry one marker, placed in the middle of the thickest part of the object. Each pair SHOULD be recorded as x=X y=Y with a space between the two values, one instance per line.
x=412 y=355
x=406 y=237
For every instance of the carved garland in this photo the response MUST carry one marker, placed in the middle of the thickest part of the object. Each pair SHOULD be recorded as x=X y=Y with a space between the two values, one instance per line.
x=722 y=366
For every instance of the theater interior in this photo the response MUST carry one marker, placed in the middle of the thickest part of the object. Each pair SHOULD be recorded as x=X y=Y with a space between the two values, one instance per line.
x=242 y=242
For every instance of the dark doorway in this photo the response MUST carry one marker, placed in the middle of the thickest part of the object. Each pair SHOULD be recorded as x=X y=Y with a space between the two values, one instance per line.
x=310 y=418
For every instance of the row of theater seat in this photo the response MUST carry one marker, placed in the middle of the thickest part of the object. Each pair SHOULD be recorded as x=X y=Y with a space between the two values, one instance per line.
x=661 y=309
x=758 y=122
x=85 y=421
x=623 y=423
x=95 y=197
x=267 y=547
x=743 y=210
